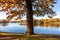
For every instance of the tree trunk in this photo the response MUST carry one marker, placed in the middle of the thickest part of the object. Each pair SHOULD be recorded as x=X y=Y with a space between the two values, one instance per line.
x=29 y=18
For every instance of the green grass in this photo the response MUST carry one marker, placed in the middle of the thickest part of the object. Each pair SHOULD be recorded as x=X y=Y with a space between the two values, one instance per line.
x=31 y=37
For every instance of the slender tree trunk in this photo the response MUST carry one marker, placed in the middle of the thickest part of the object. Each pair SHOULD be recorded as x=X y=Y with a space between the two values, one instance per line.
x=29 y=18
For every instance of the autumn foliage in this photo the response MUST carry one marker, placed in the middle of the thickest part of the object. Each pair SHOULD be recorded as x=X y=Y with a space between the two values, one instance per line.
x=18 y=7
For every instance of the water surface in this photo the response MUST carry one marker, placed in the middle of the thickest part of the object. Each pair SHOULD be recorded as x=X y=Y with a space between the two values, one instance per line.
x=16 y=28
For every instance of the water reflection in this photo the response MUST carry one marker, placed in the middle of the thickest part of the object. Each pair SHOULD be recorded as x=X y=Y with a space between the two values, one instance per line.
x=50 y=25
x=38 y=29
x=3 y=24
x=41 y=25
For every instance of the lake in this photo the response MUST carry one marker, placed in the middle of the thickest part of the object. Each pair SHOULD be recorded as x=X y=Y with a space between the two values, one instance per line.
x=16 y=28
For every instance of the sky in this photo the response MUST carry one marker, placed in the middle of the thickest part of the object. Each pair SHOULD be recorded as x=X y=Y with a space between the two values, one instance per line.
x=56 y=8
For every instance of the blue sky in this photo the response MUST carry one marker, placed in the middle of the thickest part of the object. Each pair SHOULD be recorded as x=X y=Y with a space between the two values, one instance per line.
x=56 y=8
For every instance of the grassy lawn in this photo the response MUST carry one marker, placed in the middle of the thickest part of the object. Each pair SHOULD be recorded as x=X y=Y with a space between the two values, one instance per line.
x=31 y=37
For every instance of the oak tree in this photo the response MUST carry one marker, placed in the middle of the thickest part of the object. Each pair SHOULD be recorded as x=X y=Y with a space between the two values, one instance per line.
x=19 y=8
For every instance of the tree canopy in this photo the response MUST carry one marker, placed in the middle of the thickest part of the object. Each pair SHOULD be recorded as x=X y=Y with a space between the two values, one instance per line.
x=18 y=7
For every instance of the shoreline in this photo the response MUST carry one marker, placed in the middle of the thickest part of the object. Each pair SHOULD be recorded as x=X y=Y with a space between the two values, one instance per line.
x=24 y=35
